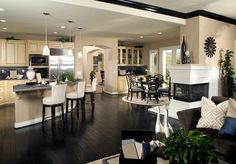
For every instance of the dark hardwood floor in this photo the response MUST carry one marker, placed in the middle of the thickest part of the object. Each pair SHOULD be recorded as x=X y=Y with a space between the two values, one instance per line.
x=92 y=136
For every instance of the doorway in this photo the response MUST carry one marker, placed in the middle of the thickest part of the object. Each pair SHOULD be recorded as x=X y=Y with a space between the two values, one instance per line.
x=168 y=56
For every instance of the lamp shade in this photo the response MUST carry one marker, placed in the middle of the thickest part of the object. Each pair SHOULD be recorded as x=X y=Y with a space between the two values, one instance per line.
x=70 y=52
x=80 y=55
x=46 y=50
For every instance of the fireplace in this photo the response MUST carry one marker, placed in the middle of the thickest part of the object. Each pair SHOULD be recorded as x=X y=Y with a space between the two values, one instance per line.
x=190 y=92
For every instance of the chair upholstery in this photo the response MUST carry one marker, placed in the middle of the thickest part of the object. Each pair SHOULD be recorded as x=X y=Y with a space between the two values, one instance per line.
x=79 y=93
x=57 y=95
x=91 y=88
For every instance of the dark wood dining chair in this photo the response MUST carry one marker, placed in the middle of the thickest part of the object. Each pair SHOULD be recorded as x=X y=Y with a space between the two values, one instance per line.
x=153 y=89
x=166 y=91
x=133 y=86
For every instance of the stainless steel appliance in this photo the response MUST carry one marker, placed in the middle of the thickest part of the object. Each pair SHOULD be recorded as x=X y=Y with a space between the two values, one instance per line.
x=38 y=60
x=60 y=62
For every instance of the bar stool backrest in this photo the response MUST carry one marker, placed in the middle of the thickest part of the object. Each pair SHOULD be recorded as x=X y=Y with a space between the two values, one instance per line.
x=81 y=89
x=59 y=93
x=94 y=83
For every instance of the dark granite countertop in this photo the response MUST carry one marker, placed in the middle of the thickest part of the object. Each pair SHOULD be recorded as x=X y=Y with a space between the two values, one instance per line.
x=35 y=87
x=14 y=79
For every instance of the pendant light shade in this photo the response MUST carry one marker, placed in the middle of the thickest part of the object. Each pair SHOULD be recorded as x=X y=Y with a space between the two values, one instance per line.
x=80 y=55
x=70 y=51
x=46 y=50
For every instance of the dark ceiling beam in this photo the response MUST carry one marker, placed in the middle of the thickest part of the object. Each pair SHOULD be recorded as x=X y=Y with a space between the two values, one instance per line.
x=160 y=10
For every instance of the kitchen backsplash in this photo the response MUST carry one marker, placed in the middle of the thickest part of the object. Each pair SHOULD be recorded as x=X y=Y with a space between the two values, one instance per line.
x=5 y=71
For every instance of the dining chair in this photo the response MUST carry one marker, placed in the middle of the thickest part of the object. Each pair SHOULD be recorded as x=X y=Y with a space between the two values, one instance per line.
x=91 y=89
x=76 y=96
x=133 y=87
x=153 y=86
x=166 y=91
x=57 y=98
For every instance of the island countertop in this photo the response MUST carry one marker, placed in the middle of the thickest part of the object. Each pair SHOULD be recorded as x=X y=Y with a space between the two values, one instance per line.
x=35 y=87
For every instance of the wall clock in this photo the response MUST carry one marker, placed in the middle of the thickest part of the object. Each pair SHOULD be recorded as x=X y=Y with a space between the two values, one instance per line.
x=210 y=46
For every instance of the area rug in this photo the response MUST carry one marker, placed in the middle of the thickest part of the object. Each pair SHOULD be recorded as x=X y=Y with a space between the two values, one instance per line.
x=162 y=100
x=114 y=159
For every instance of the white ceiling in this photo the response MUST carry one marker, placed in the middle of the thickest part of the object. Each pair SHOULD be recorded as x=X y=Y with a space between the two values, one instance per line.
x=25 y=17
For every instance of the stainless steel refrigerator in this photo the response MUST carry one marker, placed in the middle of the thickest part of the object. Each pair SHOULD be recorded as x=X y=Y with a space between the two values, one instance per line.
x=60 y=62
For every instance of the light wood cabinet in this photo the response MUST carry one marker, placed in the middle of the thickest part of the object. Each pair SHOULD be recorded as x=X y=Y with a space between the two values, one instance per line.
x=122 y=84
x=7 y=96
x=2 y=92
x=2 y=51
x=56 y=44
x=35 y=46
x=68 y=45
x=15 y=53
x=130 y=56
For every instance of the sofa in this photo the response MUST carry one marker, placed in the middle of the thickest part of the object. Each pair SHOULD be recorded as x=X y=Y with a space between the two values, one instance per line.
x=225 y=146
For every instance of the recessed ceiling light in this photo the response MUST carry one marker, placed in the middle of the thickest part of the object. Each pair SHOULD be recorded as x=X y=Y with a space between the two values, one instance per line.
x=3 y=20
x=55 y=32
x=159 y=33
x=4 y=28
x=1 y=9
x=63 y=26
x=141 y=37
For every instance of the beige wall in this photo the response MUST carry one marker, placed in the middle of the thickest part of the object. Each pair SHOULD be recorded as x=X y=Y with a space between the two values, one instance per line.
x=110 y=47
x=190 y=31
x=196 y=31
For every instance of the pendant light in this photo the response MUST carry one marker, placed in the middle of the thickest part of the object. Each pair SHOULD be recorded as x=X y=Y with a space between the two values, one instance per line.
x=46 y=50
x=70 y=52
x=80 y=55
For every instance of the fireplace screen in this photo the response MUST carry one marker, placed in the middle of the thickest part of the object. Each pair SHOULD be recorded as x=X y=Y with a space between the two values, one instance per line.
x=190 y=93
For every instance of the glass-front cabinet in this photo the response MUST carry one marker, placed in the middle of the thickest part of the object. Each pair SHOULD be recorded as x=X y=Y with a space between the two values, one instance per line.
x=130 y=56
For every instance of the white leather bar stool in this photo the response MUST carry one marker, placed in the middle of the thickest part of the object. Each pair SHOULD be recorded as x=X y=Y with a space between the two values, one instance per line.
x=91 y=89
x=76 y=96
x=57 y=98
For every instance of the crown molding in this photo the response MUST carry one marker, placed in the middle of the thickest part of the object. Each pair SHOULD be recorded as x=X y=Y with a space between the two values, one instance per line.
x=160 y=10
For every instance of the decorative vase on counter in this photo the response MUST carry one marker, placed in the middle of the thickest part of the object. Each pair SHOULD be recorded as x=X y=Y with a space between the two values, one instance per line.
x=30 y=73
x=183 y=50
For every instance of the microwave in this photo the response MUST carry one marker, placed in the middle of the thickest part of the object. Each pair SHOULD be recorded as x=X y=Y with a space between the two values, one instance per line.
x=38 y=60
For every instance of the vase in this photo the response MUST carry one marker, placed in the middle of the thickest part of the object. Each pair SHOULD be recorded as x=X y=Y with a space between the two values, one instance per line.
x=30 y=73
x=183 y=50
x=159 y=126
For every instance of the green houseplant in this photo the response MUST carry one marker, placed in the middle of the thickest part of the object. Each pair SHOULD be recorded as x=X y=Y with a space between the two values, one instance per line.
x=92 y=75
x=191 y=147
x=227 y=72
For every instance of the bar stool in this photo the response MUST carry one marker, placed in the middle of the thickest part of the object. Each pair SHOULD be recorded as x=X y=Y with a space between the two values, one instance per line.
x=57 y=98
x=78 y=95
x=91 y=89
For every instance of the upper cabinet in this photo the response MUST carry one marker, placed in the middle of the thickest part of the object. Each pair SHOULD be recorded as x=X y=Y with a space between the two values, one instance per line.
x=130 y=56
x=15 y=53
x=36 y=46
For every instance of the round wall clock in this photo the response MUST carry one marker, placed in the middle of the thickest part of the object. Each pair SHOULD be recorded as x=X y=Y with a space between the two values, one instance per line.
x=210 y=46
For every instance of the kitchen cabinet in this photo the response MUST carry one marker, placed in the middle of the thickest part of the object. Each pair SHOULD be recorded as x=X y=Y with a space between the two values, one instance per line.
x=15 y=54
x=122 y=84
x=130 y=56
x=56 y=44
x=2 y=92
x=35 y=46
x=7 y=96
x=2 y=50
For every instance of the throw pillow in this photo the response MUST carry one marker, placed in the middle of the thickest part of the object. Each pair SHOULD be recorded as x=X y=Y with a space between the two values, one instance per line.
x=212 y=115
x=229 y=126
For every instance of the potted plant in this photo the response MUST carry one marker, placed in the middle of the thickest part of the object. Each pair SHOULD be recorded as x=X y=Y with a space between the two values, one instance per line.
x=92 y=75
x=227 y=72
x=191 y=147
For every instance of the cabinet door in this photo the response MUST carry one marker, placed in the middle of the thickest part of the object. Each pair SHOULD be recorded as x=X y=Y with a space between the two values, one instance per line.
x=35 y=46
x=21 y=53
x=122 y=84
x=2 y=93
x=2 y=51
x=11 y=94
x=68 y=45
x=54 y=45
x=10 y=53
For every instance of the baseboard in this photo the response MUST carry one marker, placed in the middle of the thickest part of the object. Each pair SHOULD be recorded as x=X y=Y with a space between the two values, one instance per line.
x=111 y=93
x=34 y=121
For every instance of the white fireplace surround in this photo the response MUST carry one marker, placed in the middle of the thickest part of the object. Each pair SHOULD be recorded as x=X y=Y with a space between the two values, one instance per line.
x=192 y=74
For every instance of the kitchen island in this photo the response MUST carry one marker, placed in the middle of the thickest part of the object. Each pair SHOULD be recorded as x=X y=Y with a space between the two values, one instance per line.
x=28 y=103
